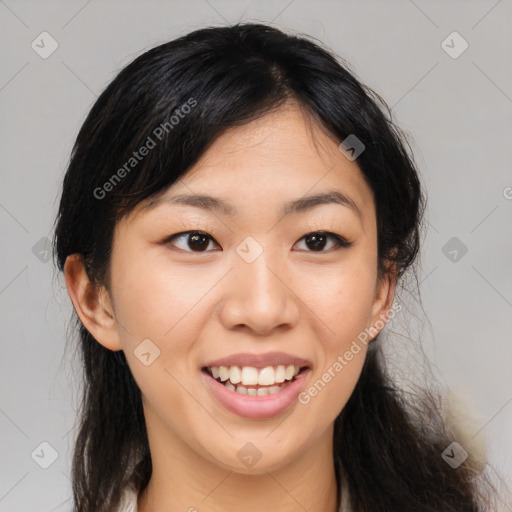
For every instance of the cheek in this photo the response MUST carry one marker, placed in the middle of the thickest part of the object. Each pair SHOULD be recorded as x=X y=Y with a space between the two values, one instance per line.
x=342 y=297
x=155 y=301
x=329 y=390
x=152 y=296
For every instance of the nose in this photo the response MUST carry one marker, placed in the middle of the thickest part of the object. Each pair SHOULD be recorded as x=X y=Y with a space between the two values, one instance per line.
x=259 y=297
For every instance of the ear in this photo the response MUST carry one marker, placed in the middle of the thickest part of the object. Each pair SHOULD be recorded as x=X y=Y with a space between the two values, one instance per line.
x=92 y=304
x=384 y=295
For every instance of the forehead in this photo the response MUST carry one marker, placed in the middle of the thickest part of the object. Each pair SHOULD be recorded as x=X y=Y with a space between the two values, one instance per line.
x=278 y=158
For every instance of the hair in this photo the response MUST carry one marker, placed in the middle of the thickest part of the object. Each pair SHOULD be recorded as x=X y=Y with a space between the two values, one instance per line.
x=387 y=449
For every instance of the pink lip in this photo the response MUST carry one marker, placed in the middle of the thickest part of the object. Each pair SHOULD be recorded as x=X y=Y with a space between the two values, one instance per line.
x=256 y=407
x=259 y=360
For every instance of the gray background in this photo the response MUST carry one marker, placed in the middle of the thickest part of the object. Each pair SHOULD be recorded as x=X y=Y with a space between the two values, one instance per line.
x=457 y=110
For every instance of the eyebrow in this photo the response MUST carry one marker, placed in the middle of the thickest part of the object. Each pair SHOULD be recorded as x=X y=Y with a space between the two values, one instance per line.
x=302 y=204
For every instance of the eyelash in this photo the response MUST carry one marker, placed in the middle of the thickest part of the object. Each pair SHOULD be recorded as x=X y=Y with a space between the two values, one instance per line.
x=340 y=242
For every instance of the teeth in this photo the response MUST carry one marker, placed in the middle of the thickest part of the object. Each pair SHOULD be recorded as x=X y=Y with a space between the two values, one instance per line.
x=263 y=391
x=280 y=374
x=251 y=376
x=290 y=370
x=235 y=375
x=266 y=376
x=241 y=390
x=224 y=373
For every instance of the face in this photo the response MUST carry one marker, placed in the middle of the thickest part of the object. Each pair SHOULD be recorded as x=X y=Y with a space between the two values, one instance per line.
x=274 y=289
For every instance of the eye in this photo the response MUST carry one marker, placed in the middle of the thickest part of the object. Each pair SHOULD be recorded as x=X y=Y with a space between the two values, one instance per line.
x=199 y=241
x=317 y=241
x=196 y=241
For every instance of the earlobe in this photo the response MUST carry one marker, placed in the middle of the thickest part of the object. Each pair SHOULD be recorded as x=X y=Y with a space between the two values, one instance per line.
x=92 y=304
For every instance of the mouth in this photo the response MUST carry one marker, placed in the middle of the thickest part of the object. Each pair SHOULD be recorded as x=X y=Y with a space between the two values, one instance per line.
x=263 y=391
x=252 y=381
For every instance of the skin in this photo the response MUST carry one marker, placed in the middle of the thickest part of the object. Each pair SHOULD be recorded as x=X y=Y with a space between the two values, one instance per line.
x=200 y=306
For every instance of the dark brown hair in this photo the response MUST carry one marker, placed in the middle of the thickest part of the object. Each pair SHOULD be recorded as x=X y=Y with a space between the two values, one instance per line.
x=388 y=450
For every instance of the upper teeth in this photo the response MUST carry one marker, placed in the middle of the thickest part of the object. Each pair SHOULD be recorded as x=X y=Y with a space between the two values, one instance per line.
x=251 y=376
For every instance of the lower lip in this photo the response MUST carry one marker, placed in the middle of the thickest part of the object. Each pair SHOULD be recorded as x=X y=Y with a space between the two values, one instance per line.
x=256 y=407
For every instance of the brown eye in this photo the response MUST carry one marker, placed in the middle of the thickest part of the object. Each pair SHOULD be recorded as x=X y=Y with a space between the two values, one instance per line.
x=317 y=241
x=199 y=242
x=191 y=241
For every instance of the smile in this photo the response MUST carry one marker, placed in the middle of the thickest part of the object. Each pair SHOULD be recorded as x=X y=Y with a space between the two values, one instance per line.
x=248 y=380
x=256 y=386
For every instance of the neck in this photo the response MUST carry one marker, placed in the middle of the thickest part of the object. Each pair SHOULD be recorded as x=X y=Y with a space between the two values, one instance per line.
x=183 y=480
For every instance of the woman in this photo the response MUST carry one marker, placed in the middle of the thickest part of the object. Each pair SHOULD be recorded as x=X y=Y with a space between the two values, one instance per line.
x=235 y=218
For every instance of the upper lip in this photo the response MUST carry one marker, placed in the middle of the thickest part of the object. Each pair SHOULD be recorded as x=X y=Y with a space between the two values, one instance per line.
x=260 y=360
